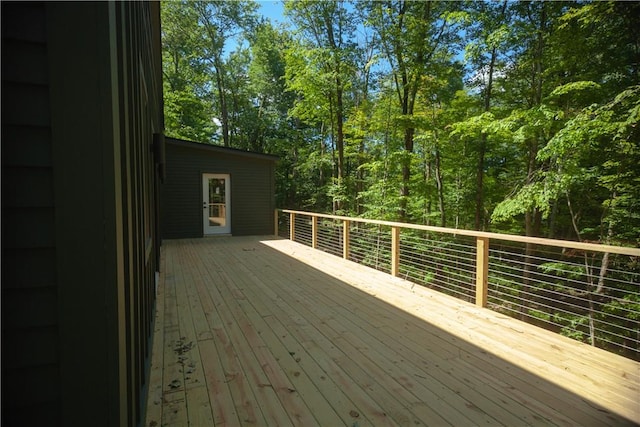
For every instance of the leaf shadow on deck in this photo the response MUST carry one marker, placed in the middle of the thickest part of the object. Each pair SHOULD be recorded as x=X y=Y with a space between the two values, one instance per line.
x=255 y=331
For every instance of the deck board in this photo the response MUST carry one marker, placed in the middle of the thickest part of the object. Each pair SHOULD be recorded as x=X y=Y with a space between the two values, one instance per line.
x=264 y=331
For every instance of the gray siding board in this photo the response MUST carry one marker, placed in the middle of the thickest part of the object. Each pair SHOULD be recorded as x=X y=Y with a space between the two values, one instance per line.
x=24 y=61
x=26 y=145
x=71 y=95
x=25 y=104
x=27 y=187
x=36 y=414
x=27 y=23
x=30 y=333
x=29 y=308
x=30 y=228
x=180 y=217
x=38 y=346
x=28 y=268
x=35 y=385
x=254 y=199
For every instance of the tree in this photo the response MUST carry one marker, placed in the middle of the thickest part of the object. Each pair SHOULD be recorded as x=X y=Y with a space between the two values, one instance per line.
x=323 y=69
x=370 y=91
x=573 y=82
x=485 y=53
x=413 y=36
x=219 y=21
x=267 y=88
x=187 y=108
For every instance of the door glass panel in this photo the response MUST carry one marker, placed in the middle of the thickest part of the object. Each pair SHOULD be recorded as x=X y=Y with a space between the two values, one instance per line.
x=216 y=197
x=217 y=202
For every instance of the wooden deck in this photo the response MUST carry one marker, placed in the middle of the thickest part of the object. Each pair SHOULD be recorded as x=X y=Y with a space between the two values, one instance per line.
x=266 y=332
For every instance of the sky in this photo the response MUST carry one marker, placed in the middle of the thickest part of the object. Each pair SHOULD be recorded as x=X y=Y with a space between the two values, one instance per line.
x=272 y=9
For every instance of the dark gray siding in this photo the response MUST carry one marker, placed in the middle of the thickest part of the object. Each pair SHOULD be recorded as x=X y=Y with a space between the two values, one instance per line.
x=29 y=287
x=81 y=100
x=252 y=189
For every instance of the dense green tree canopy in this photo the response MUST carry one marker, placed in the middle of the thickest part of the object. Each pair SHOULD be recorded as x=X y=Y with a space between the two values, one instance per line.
x=496 y=115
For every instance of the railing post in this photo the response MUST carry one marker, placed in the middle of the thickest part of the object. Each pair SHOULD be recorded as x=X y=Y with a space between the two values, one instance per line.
x=275 y=223
x=345 y=238
x=314 y=232
x=395 y=250
x=292 y=227
x=482 y=271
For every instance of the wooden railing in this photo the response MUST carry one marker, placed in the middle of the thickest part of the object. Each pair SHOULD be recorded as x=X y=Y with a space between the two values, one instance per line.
x=585 y=290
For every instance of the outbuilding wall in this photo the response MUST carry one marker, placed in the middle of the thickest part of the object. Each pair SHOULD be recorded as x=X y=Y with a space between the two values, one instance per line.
x=252 y=188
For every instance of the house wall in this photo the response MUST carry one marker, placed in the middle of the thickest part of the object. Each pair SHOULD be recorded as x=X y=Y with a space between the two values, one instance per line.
x=30 y=322
x=81 y=100
x=252 y=189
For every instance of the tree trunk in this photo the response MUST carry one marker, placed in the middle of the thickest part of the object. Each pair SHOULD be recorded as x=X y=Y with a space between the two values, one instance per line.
x=339 y=111
x=533 y=217
x=592 y=326
x=406 y=173
x=339 y=130
x=479 y=217
x=222 y=99
x=360 y=178
x=440 y=187
x=604 y=266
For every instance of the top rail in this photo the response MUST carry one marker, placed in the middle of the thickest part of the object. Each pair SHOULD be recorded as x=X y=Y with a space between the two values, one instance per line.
x=596 y=247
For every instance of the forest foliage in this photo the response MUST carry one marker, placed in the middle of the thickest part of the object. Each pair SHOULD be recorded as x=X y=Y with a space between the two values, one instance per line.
x=517 y=117
x=508 y=116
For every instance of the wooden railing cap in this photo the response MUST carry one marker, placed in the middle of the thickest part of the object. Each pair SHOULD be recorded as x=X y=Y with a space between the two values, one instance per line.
x=595 y=247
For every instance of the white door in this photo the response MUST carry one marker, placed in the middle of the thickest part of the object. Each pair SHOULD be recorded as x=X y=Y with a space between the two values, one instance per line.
x=216 y=203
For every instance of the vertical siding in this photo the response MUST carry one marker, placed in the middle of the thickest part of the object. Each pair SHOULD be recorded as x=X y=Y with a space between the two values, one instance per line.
x=252 y=195
x=140 y=119
x=182 y=194
x=30 y=354
x=81 y=100
x=252 y=191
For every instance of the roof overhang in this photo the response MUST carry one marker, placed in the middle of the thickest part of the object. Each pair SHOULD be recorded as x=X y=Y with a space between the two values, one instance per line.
x=220 y=150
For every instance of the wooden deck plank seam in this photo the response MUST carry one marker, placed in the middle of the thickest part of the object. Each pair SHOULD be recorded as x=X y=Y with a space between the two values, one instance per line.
x=270 y=332
x=450 y=328
x=400 y=344
x=629 y=369
x=236 y=279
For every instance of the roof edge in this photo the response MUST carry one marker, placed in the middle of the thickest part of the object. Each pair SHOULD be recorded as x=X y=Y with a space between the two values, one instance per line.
x=220 y=149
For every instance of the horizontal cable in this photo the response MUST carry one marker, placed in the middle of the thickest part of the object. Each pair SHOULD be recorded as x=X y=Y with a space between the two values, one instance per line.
x=551 y=286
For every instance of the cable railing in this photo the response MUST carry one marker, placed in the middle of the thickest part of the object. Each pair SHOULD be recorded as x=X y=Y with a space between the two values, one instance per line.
x=589 y=292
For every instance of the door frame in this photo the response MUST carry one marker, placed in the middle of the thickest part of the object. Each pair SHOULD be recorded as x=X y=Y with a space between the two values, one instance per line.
x=208 y=230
